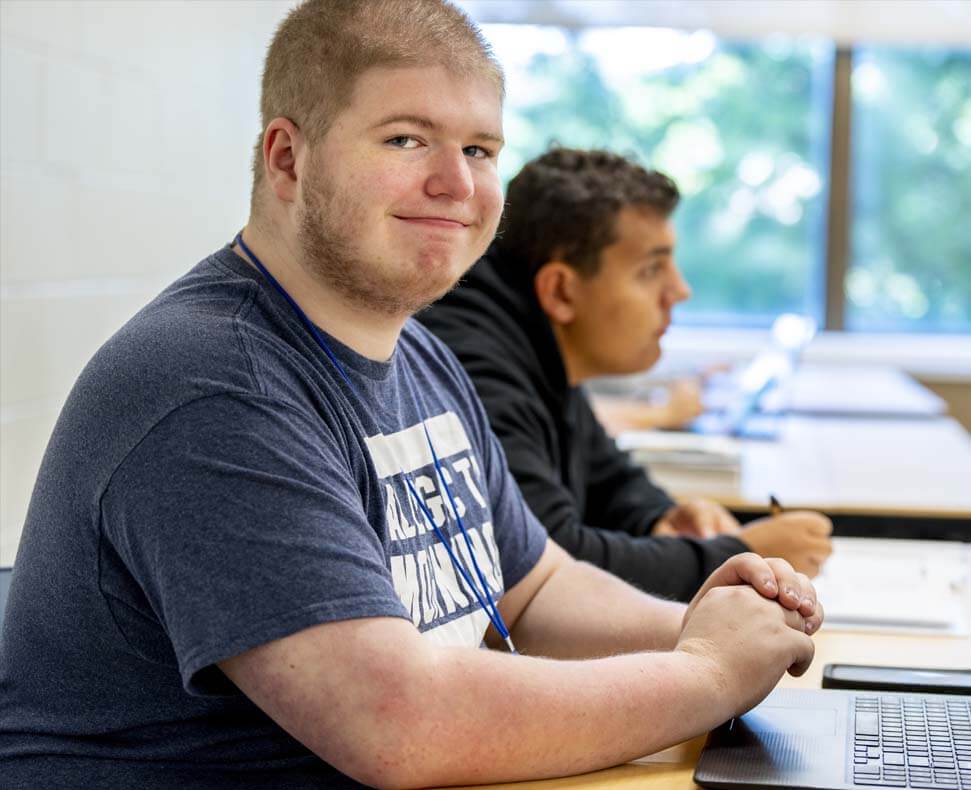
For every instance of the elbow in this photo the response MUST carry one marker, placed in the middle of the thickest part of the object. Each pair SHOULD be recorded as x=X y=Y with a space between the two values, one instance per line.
x=384 y=779
x=390 y=740
x=395 y=759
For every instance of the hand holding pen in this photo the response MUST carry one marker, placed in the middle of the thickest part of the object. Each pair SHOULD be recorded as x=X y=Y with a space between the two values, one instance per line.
x=799 y=536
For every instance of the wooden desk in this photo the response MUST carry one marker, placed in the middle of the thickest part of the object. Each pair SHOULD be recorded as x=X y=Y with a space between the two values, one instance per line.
x=835 y=646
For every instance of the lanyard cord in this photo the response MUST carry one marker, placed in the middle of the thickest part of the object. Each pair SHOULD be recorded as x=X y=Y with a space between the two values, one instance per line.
x=487 y=602
x=491 y=610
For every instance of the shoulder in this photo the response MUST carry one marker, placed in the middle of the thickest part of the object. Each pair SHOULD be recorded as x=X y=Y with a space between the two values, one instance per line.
x=209 y=334
x=187 y=338
x=483 y=308
x=491 y=323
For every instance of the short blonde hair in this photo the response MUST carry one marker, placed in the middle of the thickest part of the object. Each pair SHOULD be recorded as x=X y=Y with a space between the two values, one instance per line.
x=323 y=46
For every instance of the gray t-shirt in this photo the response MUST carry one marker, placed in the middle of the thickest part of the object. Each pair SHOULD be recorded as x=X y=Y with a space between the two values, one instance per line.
x=213 y=484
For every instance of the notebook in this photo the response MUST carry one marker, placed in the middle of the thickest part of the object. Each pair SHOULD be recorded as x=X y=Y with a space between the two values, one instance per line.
x=818 y=739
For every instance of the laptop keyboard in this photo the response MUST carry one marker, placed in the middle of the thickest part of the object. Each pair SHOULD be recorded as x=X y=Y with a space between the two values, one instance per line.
x=912 y=741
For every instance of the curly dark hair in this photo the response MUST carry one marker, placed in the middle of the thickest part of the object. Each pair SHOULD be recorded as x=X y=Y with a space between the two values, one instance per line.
x=564 y=205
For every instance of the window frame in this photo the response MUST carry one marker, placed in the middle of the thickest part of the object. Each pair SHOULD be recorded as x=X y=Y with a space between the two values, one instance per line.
x=840 y=203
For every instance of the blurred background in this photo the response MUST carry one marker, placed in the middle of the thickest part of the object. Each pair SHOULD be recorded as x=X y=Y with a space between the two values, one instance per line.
x=823 y=150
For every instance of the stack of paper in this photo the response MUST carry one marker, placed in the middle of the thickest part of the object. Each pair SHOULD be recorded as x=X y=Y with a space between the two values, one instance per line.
x=897 y=585
x=686 y=462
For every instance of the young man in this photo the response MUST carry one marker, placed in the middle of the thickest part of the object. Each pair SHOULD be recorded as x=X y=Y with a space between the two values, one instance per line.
x=579 y=283
x=258 y=539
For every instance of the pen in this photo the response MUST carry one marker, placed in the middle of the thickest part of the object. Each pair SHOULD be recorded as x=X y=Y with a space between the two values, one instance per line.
x=775 y=506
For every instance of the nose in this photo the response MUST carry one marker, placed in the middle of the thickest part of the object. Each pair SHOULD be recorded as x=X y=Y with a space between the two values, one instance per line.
x=450 y=176
x=678 y=289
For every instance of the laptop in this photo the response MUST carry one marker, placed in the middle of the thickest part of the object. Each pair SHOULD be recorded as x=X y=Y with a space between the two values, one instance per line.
x=837 y=739
x=733 y=406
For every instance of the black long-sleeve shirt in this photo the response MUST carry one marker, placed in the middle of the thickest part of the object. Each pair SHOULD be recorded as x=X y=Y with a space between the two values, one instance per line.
x=592 y=499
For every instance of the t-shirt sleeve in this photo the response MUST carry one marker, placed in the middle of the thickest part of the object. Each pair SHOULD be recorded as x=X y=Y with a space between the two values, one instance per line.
x=242 y=520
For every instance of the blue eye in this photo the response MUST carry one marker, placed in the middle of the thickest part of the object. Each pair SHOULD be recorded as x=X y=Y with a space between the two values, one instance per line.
x=477 y=152
x=403 y=141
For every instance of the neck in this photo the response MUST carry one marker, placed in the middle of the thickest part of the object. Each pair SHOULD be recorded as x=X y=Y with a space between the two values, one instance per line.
x=366 y=332
x=573 y=361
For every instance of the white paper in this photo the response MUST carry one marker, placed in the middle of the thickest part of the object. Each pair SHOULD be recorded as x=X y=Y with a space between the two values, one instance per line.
x=897 y=585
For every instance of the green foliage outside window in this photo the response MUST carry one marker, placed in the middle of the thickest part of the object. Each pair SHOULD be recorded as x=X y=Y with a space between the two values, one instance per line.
x=911 y=188
x=742 y=128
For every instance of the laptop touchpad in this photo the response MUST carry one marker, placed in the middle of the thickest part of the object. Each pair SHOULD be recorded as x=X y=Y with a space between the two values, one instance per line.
x=796 y=738
x=806 y=721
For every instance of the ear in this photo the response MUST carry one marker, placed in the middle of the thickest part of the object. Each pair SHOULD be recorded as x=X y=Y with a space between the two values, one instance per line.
x=557 y=289
x=282 y=145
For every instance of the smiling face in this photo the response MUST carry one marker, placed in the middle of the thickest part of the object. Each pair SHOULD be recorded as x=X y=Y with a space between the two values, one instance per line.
x=402 y=194
x=621 y=312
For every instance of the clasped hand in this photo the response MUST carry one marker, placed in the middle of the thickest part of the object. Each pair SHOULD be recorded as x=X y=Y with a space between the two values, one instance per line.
x=750 y=623
x=773 y=578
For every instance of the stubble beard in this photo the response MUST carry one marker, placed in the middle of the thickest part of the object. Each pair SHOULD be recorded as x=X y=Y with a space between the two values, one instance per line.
x=330 y=256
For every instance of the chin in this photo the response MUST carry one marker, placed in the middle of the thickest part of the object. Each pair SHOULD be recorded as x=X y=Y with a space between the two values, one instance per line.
x=442 y=271
x=647 y=361
x=429 y=288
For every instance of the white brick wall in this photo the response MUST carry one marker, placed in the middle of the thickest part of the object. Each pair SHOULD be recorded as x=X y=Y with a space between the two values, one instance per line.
x=125 y=135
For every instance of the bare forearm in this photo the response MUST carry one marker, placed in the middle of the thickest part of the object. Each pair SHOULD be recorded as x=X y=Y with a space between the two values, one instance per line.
x=493 y=717
x=584 y=612
x=420 y=714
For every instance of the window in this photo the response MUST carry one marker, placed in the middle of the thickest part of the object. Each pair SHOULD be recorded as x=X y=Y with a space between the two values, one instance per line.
x=910 y=240
x=745 y=129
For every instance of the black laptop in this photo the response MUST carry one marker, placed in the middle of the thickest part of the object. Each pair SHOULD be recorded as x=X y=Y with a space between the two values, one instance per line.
x=839 y=739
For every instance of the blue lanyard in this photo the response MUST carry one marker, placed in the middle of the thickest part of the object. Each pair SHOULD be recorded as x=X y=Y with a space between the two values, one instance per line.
x=483 y=596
